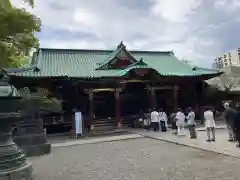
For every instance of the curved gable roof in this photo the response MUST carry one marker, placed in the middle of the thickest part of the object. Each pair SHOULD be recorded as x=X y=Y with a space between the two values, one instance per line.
x=83 y=64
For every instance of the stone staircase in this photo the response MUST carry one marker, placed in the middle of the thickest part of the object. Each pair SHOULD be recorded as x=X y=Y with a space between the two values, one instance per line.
x=108 y=126
x=103 y=125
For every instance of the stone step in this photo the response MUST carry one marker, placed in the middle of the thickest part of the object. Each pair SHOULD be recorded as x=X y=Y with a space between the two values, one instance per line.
x=109 y=126
x=106 y=133
x=103 y=123
x=103 y=128
x=109 y=121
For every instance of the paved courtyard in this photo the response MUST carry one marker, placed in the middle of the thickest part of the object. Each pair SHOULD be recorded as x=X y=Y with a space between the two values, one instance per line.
x=135 y=159
x=220 y=146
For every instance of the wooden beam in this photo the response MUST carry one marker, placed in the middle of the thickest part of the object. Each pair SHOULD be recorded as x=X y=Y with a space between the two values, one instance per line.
x=162 y=88
x=133 y=81
x=102 y=90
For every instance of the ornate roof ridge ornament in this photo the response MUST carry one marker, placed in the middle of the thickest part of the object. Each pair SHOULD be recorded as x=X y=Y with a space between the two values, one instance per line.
x=113 y=56
x=121 y=45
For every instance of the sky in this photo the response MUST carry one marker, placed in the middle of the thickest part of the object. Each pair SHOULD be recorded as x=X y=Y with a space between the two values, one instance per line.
x=196 y=30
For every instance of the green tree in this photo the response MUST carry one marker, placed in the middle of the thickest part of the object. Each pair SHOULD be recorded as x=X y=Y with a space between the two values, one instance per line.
x=17 y=34
x=7 y=4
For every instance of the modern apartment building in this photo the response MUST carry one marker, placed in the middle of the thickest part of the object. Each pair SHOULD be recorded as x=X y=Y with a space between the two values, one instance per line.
x=231 y=58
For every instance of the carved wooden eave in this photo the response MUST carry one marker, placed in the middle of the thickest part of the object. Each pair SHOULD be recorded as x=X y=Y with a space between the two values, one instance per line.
x=163 y=88
x=102 y=90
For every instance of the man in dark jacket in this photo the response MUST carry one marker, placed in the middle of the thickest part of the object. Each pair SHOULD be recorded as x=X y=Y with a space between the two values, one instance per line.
x=237 y=125
x=229 y=115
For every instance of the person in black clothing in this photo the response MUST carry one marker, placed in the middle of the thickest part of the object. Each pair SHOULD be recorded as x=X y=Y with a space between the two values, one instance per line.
x=173 y=120
x=237 y=125
x=229 y=115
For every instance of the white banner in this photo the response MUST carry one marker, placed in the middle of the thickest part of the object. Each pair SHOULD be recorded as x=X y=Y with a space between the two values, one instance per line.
x=78 y=123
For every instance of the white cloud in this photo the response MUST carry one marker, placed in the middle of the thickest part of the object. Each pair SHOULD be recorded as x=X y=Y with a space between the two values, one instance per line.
x=79 y=44
x=227 y=5
x=164 y=25
x=174 y=10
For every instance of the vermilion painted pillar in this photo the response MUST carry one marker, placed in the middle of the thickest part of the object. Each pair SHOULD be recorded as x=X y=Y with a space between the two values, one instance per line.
x=153 y=98
x=175 y=96
x=91 y=109
x=118 y=108
x=73 y=130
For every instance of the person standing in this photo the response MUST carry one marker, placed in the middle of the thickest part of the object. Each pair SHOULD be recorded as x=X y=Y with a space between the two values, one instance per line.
x=180 y=122
x=155 y=120
x=173 y=121
x=229 y=115
x=163 y=120
x=209 y=124
x=146 y=121
x=191 y=123
x=237 y=124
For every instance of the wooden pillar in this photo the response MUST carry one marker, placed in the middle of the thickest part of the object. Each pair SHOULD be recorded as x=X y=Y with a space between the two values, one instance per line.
x=73 y=130
x=152 y=97
x=195 y=99
x=91 y=108
x=175 y=96
x=62 y=112
x=118 y=108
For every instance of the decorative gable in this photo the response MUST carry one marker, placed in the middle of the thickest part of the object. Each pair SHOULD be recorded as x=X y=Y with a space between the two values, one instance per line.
x=139 y=63
x=118 y=59
x=140 y=68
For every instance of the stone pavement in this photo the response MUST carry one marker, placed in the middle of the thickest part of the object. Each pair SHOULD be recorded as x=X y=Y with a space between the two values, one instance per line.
x=64 y=141
x=218 y=126
x=221 y=146
x=95 y=140
x=134 y=159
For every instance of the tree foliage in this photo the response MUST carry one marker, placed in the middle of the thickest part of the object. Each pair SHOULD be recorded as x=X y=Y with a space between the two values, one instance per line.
x=17 y=34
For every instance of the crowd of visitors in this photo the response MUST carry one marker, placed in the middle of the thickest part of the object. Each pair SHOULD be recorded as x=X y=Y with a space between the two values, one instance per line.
x=158 y=121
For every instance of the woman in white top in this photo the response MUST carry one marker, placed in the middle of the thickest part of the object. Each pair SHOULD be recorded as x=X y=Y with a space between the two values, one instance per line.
x=180 y=122
x=163 y=120
x=155 y=120
x=209 y=124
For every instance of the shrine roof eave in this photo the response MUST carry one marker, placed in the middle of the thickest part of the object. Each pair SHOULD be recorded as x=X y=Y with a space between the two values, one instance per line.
x=208 y=76
x=119 y=74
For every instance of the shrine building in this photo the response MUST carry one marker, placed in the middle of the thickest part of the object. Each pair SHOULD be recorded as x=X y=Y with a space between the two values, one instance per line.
x=111 y=87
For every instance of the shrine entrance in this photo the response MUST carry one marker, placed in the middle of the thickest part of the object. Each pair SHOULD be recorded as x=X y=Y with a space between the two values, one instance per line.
x=104 y=105
x=134 y=99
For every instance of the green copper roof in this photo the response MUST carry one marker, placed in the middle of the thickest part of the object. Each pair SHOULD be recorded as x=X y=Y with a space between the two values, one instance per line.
x=85 y=64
